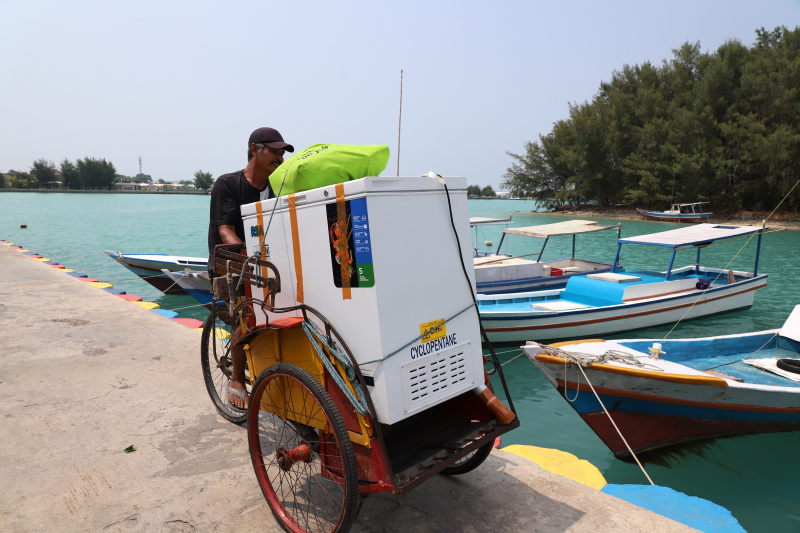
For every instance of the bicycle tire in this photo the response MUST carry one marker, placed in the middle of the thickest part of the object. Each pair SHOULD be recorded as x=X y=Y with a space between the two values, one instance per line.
x=216 y=362
x=308 y=476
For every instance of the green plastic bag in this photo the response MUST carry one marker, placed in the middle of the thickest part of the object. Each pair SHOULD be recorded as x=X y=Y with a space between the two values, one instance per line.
x=327 y=164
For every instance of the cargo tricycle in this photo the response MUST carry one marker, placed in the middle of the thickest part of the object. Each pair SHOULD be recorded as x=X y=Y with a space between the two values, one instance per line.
x=328 y=426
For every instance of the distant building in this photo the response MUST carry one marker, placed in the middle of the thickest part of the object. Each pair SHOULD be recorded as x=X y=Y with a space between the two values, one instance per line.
x=127 y=186
x=503 y=194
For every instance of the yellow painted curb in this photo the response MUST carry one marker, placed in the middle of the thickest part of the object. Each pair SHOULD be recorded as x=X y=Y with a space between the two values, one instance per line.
x=561 y=463
x=41 y=259
x=23 y=250
x=66 y=270
x=147 y=305
x=100 y=284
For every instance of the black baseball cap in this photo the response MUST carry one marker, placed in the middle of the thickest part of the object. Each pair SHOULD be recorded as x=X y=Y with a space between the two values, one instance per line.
x=269 y=137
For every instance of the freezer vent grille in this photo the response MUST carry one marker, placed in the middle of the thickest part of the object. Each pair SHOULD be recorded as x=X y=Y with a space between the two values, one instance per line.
x=437 y=377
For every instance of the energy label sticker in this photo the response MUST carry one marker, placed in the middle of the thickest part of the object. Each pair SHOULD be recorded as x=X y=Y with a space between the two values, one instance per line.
x=351 y=244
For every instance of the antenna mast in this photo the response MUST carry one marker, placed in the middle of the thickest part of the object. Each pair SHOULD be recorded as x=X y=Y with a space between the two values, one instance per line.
x=399 y=122
x=140 y=164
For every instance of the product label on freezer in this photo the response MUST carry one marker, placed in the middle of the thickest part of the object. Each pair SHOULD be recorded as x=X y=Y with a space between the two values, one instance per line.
x=430 y=331
x=350 y=243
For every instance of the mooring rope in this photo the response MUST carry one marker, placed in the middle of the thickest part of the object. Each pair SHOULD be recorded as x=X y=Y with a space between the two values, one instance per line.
x=186 y=307
x=610 y=355
x=183 y=275
x=98 y=265
x=746 y=356
x=729 y=263
x=80 y=256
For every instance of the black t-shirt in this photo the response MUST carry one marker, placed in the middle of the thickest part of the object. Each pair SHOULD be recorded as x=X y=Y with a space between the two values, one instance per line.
x=230 y=192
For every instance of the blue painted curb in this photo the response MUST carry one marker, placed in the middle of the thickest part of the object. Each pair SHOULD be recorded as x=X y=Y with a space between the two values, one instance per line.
x=166 y=312
x=698 y=513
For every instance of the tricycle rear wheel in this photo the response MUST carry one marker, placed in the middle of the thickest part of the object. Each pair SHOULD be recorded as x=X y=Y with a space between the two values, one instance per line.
x=301 y=452
x=469 y=462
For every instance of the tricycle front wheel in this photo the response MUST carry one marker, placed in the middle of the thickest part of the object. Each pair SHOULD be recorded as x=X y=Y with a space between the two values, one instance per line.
x=301 y=452
x=215 y=358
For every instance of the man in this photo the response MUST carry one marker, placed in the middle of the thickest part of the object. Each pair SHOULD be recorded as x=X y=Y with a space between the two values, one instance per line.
x=265 y=150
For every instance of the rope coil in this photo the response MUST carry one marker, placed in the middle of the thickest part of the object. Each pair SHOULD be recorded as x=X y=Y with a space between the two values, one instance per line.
x=616 y=356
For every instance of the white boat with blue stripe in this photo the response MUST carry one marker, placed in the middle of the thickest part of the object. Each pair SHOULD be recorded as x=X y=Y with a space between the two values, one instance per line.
x=613 y=302
x=150 y=268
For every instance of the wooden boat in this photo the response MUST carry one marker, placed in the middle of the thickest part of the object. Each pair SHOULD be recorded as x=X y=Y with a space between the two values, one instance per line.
x=617 y=301
x=679 y=213
x=150 y=268
x=685 y=390
x=503 y=273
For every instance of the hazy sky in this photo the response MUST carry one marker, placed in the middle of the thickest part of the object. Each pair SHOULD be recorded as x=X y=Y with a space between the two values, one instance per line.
x=182 y=84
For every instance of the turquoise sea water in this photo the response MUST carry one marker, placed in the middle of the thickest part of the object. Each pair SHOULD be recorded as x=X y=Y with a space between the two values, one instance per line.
x=755 y=476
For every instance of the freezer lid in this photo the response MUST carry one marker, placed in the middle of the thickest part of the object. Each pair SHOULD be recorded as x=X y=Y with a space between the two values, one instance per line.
x=370 y=185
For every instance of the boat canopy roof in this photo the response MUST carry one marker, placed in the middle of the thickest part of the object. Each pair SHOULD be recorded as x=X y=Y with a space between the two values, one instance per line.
x=569 y=227
x=697 y=235
x=486 y=221
x=694 y=203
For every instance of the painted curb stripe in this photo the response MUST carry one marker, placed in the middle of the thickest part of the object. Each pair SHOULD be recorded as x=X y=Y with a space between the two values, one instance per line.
x=129 y=297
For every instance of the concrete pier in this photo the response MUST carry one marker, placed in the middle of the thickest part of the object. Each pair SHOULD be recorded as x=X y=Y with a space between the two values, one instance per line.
x=84 y=375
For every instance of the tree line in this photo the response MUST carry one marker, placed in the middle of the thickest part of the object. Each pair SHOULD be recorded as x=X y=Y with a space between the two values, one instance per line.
x=476 y=190
x=85 y=174
x=722 y=127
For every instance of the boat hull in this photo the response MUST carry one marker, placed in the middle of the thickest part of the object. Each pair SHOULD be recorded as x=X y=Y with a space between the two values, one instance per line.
x=652 y=413
x=603 y=321
x=195 y=284
x=664 y=216
x=149 y=267
x=647 y=431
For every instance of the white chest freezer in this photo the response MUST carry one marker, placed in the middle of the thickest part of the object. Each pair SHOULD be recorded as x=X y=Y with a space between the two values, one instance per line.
x=378 y=258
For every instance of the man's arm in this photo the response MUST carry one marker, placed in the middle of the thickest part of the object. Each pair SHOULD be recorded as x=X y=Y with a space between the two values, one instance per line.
x=228 y=234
